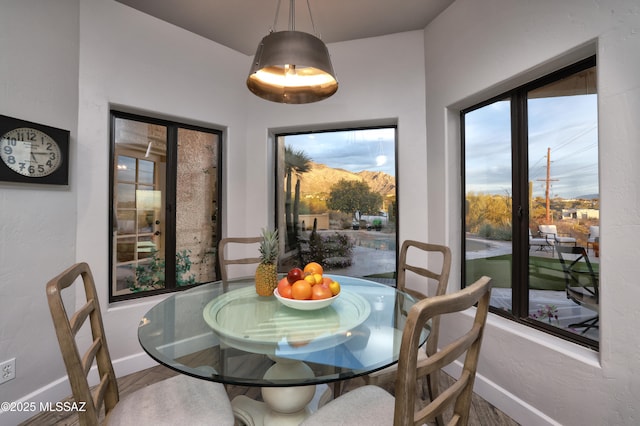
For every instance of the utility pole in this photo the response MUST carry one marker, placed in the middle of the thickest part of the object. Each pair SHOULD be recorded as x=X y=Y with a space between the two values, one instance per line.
x=548 y=186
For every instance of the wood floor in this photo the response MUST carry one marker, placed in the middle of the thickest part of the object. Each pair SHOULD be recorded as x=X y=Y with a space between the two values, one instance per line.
x=482 y=413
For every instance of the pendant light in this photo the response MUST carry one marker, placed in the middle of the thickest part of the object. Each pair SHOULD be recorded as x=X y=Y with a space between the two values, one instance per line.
x=292 y=67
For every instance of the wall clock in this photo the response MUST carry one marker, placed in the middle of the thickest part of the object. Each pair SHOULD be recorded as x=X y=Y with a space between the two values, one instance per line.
x=33 y=153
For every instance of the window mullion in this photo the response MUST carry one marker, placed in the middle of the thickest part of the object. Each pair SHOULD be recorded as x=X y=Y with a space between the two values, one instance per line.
x=520 y=212
x=170 y=237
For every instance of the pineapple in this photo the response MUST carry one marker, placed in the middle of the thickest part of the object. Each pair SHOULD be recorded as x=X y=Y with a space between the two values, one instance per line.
x=266 y=273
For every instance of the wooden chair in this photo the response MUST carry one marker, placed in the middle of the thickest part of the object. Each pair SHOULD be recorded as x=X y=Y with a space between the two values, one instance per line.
x=442 y=280
x=178 y=400
x=226 y=261
x=581 y=283
x=372 y=405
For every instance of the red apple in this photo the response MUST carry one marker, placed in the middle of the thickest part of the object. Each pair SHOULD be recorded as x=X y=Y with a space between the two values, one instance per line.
x=294 y=275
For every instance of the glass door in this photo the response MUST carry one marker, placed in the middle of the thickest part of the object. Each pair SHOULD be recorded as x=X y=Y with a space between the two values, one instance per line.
x=139 y=201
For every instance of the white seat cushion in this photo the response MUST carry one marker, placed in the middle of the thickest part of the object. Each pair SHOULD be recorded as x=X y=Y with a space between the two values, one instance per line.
x=178 y=400
x=565 y=239
x=363 y=406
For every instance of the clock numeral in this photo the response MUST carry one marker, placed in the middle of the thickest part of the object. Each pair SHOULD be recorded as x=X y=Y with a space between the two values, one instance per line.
x=40 y=168
x=52 y=156
x=7 y=149
x=49 y=146
x=11 y=141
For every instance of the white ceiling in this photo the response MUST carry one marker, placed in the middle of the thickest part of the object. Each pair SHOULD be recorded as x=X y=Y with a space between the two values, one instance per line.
x=241 y=24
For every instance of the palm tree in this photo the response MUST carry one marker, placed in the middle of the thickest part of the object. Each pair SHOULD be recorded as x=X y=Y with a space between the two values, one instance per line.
x=296 y=162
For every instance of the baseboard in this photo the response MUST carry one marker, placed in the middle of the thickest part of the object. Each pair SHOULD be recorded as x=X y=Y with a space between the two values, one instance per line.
x=59 y=389
x=519 y=410
x=514 y=407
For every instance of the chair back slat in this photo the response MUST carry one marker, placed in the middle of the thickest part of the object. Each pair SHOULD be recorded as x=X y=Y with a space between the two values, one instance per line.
x=99 y=392
x=77 y=320
x=460 y=392
x=66 y=330
x=441 y=276
x=224 y=259
x=444 y=400
x=449 y=353
x=422 y=271
x=90 y=355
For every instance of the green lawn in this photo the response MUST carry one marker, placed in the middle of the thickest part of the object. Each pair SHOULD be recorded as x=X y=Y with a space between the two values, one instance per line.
x=544 y=273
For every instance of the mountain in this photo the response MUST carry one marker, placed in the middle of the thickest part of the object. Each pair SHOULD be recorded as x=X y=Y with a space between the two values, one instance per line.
x=319 y=180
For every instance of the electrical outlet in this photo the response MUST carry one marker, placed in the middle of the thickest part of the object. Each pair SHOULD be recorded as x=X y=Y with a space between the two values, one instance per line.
x=7 y=370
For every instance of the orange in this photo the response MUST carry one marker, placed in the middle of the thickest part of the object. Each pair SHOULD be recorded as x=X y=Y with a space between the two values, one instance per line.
x=301 y=290
x=319 y=292
x=313 y=268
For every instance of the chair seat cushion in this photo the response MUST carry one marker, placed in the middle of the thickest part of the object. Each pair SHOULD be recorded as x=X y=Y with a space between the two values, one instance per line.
x=363 y=406
x=565 y=239
x=178 y=400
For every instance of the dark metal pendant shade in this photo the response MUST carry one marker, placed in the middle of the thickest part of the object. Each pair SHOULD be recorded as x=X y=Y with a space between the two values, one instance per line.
x=292 y=67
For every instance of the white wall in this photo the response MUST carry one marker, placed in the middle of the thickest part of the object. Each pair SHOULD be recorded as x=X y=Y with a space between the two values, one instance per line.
x=39 y=83
x=104 y=54
x=76 y=60
x=379 y=83
x=113 y=56
x=477 y=49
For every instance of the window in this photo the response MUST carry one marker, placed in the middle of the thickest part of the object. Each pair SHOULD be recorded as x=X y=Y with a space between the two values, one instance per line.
x=531 y=160
x=336 y=201
x=164 y=203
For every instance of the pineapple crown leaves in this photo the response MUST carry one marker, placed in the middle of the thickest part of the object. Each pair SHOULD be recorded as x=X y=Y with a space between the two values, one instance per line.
x=269 y=246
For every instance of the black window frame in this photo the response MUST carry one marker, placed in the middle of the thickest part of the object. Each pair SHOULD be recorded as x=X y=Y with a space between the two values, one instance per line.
x=394 y=126
x=520 y=212
x=170 y=211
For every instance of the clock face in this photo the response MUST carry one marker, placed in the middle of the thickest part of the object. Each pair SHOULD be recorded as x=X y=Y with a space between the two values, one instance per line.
x=30 y=152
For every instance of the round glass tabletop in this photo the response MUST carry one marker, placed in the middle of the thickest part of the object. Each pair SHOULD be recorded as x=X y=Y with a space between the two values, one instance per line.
x=229 y=334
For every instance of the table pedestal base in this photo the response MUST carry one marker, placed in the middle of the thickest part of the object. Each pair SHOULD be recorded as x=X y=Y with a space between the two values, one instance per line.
x=255 y=413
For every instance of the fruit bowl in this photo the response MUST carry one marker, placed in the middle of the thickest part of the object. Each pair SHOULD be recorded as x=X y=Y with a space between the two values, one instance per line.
x=305 y=305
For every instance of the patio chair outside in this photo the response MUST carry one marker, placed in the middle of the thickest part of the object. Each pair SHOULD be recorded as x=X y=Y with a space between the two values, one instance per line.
x=593 y=237
x=551 y=231
x=581 y=283
x=541 y=243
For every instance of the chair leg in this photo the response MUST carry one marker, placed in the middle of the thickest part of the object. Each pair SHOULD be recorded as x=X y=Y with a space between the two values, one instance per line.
x=337 y=389
x=433 y=389
x=586 y=324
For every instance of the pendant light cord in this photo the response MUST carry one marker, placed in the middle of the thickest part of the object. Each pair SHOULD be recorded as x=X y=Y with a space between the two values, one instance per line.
x=292 y=17
x=313 y=25
x=275 y=20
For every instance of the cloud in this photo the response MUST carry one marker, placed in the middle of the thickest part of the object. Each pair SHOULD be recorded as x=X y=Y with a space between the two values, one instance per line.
x=352 y=150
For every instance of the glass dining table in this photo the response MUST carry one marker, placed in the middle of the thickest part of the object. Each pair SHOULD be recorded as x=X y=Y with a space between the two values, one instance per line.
x=227 y=333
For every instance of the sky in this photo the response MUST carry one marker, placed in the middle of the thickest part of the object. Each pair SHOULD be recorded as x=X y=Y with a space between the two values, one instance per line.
x=352 y=150
x=567 y=125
